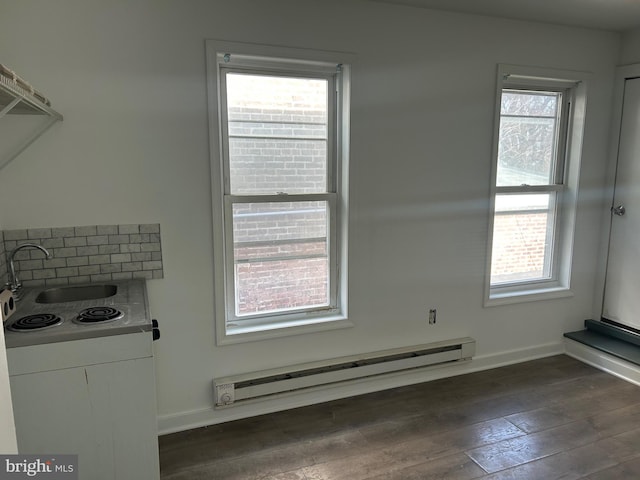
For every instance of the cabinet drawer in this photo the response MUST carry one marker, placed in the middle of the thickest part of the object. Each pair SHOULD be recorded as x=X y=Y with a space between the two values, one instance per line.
x=91 y=351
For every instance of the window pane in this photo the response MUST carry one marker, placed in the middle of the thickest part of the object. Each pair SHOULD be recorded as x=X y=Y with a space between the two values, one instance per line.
x=530 y=104
x=528 y=138
x=262 y=166
x=281 y=259
x=278 y=134
x=522 y=238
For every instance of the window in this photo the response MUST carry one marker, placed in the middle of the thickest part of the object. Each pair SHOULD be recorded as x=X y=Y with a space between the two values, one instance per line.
x=536 y=155
x=280 y=192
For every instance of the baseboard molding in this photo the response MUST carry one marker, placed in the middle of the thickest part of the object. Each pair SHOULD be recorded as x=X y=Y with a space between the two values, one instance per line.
x=172 y=423
x=603 y=361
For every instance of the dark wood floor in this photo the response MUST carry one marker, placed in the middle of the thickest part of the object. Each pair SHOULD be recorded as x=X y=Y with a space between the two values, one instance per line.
x=545 y=419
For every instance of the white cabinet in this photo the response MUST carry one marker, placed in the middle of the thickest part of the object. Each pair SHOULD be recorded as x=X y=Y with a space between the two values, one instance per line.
x=7 y=425
x=103 y=409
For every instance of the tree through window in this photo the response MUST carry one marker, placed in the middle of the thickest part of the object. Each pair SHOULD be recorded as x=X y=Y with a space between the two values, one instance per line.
x=538 y=137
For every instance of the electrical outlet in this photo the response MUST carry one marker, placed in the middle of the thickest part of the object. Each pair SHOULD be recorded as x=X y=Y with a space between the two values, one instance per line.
x=432 y=316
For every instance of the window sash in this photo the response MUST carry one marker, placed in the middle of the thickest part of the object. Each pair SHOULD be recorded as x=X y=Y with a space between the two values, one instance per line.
x=331 y=148
x=552 y=233
x=292 y=69
x=300 y=62
x=557 y=166
x=555 y=189
x=280 y=315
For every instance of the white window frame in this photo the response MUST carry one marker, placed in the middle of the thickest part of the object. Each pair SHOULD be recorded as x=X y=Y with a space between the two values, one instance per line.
x=224 y=57
x=565 y=182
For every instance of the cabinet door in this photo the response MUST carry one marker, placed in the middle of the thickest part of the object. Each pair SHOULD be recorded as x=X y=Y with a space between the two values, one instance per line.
x=52 y=413
x=123 y=401
x=105 y=413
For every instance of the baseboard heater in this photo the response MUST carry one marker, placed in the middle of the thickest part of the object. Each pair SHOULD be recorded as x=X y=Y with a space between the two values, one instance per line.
x=235 y=389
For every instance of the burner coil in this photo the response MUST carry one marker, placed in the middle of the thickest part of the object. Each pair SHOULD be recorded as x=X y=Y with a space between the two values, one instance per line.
x=37 y=321
x=98 y=314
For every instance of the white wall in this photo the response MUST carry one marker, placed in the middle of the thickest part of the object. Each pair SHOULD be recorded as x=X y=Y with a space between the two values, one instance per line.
x=630 y=49
x=129 y=78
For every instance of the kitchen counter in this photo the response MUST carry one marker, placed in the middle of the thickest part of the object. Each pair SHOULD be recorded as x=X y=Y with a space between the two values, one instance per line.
x=130 y=298
x=87 y=389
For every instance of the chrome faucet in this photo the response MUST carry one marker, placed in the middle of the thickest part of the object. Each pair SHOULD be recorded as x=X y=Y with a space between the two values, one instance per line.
x=14 y=281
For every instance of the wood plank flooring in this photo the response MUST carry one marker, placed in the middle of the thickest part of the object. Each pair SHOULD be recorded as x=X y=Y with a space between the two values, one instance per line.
x=545 y=419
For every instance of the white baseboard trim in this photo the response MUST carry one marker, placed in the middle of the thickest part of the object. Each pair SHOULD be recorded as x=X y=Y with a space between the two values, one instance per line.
x=181 y=421
x=603 y=361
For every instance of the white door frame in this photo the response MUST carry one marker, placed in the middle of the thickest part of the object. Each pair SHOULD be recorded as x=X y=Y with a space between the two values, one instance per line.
x=623 y=73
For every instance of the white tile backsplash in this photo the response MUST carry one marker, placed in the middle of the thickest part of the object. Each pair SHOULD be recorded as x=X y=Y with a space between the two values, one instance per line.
x=91 y=253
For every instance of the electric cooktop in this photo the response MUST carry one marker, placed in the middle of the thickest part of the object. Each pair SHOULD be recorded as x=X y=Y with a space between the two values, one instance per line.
x=36 y=323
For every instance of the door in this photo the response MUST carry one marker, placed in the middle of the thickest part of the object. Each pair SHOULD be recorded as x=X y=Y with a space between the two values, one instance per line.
x=622 y=285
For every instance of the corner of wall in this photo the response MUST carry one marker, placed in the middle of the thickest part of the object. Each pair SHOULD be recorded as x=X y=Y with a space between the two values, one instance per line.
x=630 y=47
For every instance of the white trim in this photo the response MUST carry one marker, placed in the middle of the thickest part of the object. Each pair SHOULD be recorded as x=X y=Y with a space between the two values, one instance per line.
x=521 y=296
x=276 y=52
x=550 y=76
x=284 y=328
x=524 y=189
x=283 y=318
x=176 y=422
x=559 y=285
x=283 y=64
x=280 y=59
x=603 y=361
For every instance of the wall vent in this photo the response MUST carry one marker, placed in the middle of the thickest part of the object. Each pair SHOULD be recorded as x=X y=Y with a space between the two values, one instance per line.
x=238 y=388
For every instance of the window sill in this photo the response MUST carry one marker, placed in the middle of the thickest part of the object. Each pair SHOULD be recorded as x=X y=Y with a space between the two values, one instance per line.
x=251 y=333
x=522 y=296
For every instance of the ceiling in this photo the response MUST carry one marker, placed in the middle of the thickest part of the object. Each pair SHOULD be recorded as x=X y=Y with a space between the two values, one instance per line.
x=616 y=15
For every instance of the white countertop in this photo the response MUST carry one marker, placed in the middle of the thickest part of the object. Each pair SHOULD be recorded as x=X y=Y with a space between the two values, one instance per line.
x=131 y=299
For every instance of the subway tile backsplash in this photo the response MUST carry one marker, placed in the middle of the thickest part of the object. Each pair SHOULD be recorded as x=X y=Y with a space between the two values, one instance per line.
x=93 y=253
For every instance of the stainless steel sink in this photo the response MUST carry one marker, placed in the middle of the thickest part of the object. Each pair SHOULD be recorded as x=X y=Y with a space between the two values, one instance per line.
x=76 y=294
